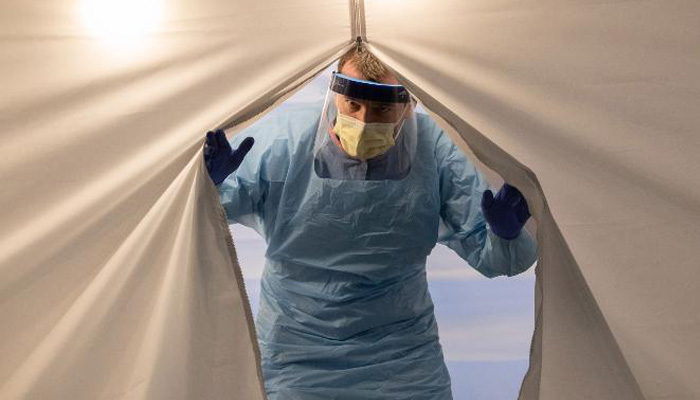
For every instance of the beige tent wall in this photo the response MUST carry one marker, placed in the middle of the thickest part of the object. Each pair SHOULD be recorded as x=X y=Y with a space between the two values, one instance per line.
x=117 y=275
x=591 y=109
x=118 y=279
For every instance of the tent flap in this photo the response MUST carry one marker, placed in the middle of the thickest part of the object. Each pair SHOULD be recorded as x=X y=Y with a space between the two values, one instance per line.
x=585 y=106
x=117 y=276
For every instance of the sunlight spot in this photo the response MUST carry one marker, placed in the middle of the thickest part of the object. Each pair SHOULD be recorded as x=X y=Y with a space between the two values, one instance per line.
x=121 y=22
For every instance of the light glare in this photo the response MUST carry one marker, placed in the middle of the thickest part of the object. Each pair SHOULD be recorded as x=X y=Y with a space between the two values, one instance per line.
x=121 y=21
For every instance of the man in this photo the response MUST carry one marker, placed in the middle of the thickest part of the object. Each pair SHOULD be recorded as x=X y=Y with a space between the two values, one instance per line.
x=351 y=198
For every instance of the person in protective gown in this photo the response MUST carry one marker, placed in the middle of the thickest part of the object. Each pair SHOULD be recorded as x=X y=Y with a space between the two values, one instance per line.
x=351 y=198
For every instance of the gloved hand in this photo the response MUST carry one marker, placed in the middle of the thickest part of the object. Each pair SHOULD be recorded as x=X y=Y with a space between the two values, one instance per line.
x=506 y=213
x=220 y=159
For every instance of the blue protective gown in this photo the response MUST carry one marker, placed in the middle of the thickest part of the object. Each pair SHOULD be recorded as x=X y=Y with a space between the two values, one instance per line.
x=345 y=311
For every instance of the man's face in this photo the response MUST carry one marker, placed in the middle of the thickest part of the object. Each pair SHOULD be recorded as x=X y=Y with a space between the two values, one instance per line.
x=368 y=111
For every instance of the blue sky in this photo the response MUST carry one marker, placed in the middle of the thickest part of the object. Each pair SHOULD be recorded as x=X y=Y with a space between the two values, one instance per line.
x=485 y=324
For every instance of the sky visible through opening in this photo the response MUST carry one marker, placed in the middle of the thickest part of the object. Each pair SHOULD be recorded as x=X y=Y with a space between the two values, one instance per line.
x=485 y=325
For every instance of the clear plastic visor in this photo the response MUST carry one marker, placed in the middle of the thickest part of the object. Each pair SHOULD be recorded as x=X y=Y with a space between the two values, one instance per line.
x=367 y=131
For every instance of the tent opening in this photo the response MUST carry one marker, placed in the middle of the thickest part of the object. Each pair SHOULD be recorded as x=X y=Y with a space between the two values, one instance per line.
x=485 y=325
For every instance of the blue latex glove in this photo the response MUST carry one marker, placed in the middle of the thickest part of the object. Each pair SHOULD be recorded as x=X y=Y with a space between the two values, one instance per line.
x=506 y=213
x=220 y=159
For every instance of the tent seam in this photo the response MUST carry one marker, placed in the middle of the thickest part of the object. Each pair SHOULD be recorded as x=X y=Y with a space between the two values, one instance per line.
x=357 y=20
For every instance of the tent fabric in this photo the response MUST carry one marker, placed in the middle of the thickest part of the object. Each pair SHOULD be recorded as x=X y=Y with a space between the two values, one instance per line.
x=590 y=108
x=118 y=277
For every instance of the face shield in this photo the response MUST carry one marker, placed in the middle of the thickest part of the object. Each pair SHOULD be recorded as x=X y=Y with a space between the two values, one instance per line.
x=367 y=131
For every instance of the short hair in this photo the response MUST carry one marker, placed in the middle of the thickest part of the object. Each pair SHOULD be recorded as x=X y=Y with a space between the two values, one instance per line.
x=366 y=63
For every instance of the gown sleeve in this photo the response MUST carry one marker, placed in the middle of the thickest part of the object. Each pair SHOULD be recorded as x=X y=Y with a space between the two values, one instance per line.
x=252 y=194
x=463 y=227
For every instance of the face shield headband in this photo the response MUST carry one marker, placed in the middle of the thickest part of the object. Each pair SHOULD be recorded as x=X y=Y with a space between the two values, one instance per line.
x=368 y=90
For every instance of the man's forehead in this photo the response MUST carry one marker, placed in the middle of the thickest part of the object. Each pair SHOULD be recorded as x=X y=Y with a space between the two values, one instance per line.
x=350 y=70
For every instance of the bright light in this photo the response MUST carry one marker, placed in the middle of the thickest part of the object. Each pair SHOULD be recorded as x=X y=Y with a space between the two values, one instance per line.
x=121 y=22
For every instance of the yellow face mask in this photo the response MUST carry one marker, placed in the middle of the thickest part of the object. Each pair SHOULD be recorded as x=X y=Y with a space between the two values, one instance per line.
x=364 y=140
